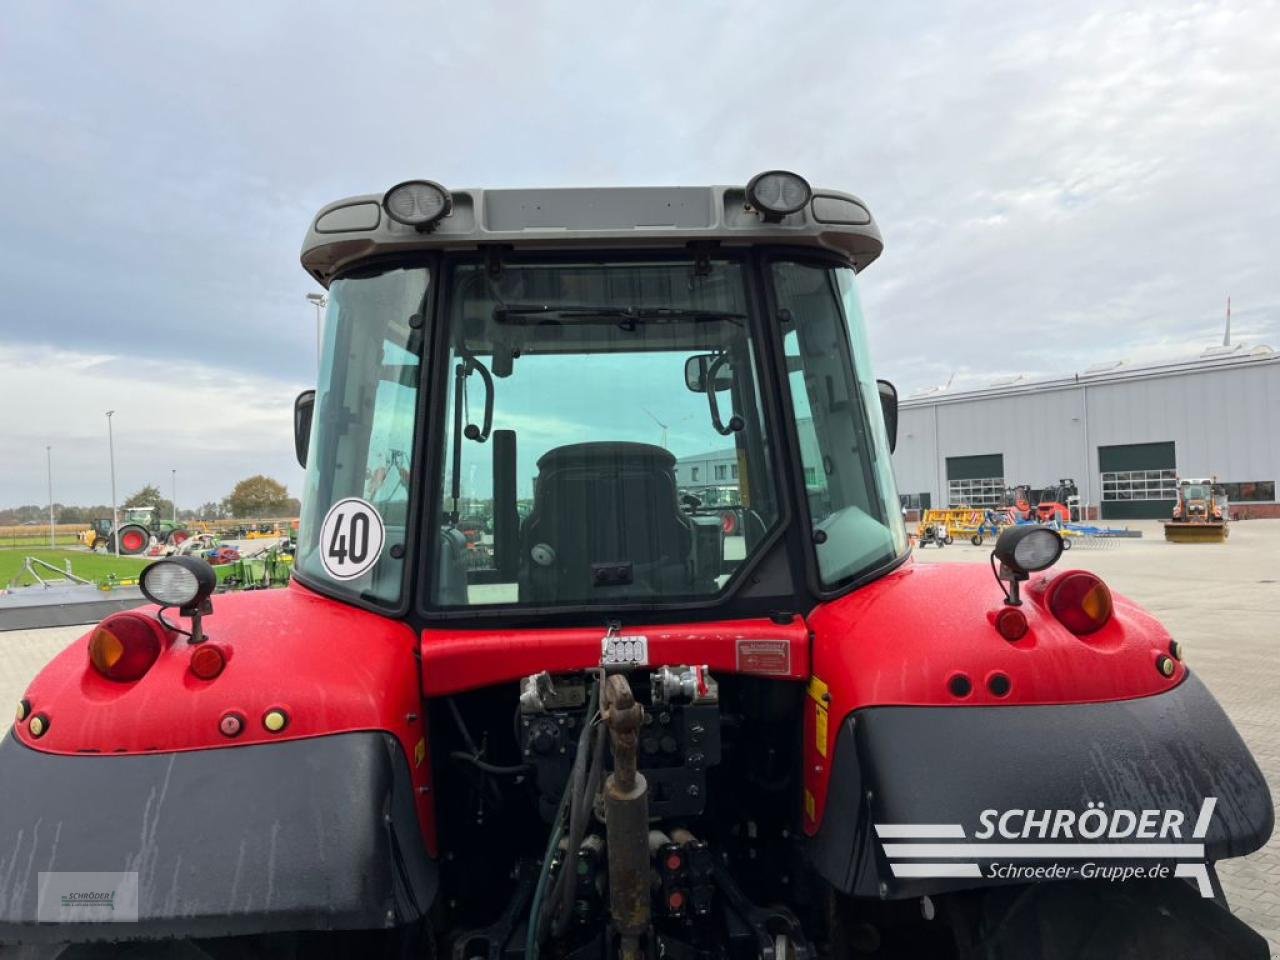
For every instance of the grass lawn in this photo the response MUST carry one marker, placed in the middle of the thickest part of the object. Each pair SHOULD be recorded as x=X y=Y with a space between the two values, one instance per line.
x=91 y=566
x=37 y=539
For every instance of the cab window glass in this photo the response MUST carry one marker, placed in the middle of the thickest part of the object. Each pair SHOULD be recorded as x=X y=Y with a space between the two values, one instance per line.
x=844 y=450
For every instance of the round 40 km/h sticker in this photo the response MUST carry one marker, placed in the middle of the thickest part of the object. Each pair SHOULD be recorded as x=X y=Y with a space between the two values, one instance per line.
x=351 y=538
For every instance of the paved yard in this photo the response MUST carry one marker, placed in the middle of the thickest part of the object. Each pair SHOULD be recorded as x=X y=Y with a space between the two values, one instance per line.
x=1221 y=601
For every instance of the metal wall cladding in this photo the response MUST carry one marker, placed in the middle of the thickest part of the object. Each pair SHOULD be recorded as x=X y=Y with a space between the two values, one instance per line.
x=1222 y=420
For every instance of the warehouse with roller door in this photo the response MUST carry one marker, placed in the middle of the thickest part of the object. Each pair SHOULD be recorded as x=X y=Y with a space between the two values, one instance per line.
x=1124 y=433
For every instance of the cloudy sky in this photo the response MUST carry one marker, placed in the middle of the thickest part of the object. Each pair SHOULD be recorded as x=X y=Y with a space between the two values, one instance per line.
x=1058 y=184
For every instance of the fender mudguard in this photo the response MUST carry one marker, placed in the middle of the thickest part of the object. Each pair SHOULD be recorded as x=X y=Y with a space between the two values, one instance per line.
x=311 y=834
x=941 y=767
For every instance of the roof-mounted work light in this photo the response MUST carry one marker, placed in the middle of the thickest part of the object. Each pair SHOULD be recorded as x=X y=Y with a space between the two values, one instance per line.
x=776 y=193
x=417 y=203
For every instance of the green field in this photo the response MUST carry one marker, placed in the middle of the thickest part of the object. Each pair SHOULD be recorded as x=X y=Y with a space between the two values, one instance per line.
x=36 y=540
x=91 y=566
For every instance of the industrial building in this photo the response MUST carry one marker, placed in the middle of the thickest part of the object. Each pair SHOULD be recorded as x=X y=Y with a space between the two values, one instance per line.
x=1123 y=433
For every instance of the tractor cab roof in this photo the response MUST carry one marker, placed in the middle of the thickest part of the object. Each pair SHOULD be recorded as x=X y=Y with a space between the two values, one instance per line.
x=357 y=228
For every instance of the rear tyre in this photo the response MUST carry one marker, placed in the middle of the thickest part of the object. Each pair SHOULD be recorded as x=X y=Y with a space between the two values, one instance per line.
x=976 y=539
x=1096 y=920
x=133 y=539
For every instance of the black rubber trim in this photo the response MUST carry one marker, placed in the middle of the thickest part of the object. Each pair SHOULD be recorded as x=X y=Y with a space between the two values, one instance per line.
x=945 y=765
x=316 y=834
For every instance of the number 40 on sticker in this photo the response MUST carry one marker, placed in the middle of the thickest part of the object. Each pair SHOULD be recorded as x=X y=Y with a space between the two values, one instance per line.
x=351 y=538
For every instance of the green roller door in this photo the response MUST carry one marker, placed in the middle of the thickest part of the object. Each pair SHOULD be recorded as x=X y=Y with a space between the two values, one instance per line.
x=1138 y=480
x=975 y=468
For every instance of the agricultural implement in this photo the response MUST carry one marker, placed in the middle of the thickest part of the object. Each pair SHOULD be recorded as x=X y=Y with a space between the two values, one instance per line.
x=1199 y=516
x=618 y=738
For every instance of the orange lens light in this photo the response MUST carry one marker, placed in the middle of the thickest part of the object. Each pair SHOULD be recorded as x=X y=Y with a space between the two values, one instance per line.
x=1081 y=602
x=124 y=646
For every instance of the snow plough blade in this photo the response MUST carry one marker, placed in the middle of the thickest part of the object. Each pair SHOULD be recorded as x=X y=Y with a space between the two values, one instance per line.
x=1195 y=532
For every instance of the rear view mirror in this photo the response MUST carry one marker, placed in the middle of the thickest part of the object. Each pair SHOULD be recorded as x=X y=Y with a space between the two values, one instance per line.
x=695 y=372
x=303 y=408
x=889 y=406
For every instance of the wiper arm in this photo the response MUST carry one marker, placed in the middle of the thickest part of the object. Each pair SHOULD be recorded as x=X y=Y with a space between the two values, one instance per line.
x=536 y=312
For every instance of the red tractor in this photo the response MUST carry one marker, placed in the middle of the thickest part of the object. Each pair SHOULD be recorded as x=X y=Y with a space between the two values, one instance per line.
x=623 y=734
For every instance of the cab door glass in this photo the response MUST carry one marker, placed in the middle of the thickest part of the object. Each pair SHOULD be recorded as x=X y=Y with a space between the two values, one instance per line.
x=844 y=451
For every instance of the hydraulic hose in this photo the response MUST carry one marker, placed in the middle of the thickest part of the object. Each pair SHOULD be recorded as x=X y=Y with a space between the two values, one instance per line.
x=567 y=799
x=532 y=943
x=578 y=830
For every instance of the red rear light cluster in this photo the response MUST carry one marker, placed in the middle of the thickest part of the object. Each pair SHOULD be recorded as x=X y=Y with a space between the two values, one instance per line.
x=1080 y=601
x=124 y=646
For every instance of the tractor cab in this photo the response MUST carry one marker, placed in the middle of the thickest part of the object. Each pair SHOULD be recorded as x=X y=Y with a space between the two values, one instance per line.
x=525 y=407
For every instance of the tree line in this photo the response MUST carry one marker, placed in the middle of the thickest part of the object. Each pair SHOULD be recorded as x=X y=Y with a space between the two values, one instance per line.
x=252 y=498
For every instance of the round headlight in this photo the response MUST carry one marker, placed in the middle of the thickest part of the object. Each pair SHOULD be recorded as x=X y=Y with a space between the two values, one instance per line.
x=778 y=192
x=177 y=581
x=417 y=203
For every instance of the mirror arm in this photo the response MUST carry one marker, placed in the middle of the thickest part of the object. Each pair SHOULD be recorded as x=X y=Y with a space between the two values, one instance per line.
x=472 y=362
x=735 y=422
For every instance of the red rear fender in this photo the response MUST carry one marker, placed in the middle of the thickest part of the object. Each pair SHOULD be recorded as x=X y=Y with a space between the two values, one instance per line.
x=925 y=636
x=329 y=667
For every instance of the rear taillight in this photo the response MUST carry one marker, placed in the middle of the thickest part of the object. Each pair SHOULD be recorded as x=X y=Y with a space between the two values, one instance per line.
x=124 y=646
x=1080 y=601
x=207 y=661
x=1011 y=624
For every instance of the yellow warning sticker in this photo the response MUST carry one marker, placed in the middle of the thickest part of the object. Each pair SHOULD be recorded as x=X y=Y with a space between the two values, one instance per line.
x=819 y=691
x=820 y=730
x=810 y=805
x=419 y=752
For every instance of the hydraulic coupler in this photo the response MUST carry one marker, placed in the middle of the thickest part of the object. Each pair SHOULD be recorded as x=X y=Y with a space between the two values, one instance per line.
x=626 y=804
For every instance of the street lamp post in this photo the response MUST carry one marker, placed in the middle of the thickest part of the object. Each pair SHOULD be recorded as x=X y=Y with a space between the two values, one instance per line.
x=319 y=301
x=48 y=455
x=115 y=514
x=174 y=488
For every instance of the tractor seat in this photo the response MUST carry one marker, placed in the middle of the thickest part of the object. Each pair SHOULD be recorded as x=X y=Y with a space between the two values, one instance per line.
x=606 y=522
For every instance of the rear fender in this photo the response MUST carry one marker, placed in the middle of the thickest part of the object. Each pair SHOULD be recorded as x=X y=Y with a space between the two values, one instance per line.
x=944 y=775
x=314 y=834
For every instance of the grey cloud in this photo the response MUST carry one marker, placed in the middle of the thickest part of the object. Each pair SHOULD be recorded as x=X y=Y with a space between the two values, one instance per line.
x=1057 y=184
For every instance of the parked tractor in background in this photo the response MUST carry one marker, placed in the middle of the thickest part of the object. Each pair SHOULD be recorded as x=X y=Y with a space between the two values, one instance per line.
x=1057 y=502
x=1017 y=503
x=137 y=526
x=1198 y=516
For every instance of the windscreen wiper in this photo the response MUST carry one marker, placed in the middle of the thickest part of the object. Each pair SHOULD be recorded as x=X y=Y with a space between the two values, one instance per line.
x=585 y=313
